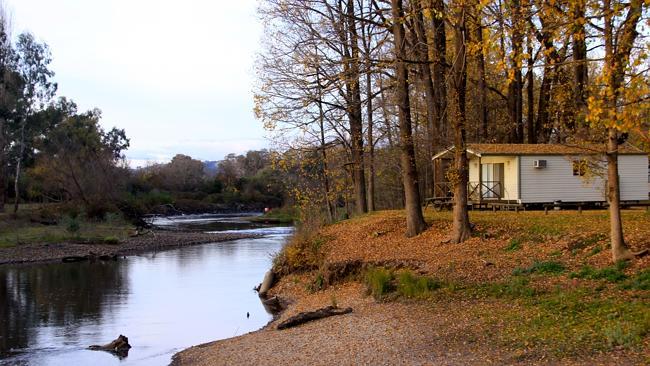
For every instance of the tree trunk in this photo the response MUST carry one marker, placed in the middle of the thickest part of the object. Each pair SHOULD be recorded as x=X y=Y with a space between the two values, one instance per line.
x=616 y=58
x=414 y=219
x=19 y=160
x=542 y=121
x=530 y=113
x=461 y=229
x=515 y=86
x=356 y=120
x=422 y=52
x=3 y=161
x=369 y=116
x=579 y=45
x=440 y=67
x=620 y=251
x=482 y=84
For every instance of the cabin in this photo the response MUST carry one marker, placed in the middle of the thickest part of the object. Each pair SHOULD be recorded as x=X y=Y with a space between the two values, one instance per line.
x=527 y=174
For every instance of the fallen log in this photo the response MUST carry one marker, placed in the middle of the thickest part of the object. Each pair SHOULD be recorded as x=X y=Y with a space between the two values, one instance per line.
x=119 y=347
x=308 y=316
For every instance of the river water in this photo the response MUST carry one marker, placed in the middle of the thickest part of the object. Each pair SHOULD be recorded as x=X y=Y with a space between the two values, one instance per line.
x=164 y=301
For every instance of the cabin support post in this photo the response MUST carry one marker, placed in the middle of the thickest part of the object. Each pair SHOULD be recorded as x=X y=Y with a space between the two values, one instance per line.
x=480 y=180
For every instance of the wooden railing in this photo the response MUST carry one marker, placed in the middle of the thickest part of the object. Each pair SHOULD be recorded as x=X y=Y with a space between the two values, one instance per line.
x=488 y=190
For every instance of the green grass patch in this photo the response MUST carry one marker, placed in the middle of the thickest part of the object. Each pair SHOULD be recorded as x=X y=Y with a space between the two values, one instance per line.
x=641 y=281
x=514 y=244
x=412 y=286
x=384 y=284
x=546 y=267
x=379 y=282
x=18 y=232
x=612 y=274
x=514 y=287
x=575 y=321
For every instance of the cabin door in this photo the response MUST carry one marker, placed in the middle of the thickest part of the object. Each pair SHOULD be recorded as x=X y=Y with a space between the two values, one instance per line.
x=492 y=180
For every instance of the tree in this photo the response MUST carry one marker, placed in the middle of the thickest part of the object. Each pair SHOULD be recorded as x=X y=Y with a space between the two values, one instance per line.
x=9 y=88
x=414 y=220
x=619 y=104
x=32 y=66
x=79 y=160
x=459 y=176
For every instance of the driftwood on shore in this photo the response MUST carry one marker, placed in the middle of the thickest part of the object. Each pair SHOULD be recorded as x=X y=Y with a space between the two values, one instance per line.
x=120 y=347
x=308 y=316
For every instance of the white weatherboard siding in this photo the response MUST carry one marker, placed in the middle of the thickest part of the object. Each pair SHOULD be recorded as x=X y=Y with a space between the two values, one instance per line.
x=556 y=181
x=633 y=172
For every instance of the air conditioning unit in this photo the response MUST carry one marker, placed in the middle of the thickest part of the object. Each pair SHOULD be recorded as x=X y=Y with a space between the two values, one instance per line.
x=539 y=164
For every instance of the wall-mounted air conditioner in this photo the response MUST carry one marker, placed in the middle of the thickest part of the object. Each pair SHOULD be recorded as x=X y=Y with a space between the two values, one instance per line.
x=539 y=164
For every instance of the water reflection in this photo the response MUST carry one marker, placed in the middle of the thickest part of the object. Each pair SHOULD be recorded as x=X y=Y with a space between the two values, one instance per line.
x=57 y=295
x=163 y=302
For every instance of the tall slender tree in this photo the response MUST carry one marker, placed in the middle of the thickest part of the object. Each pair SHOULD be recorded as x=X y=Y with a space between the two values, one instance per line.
x=414 y=219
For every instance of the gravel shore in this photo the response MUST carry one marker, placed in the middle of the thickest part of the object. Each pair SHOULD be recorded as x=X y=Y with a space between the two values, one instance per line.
x=152 y=241
x=393 y=333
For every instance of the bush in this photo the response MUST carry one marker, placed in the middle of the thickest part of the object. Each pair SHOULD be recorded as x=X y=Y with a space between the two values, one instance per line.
x=71 y=224
x=302 y=253
x=412 y=286
x=111 y=240
x=379 y=282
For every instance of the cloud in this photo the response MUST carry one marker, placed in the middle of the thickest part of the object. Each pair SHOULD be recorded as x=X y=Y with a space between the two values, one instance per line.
x=175 y=75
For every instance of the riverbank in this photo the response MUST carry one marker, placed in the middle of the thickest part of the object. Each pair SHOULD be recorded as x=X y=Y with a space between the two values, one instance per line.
x=153 y=240
x=528 y=288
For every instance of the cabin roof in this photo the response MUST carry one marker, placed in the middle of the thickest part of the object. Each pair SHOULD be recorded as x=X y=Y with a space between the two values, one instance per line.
x=541 y=149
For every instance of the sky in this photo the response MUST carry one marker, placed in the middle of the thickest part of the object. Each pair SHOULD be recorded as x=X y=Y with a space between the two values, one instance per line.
x=176 y=75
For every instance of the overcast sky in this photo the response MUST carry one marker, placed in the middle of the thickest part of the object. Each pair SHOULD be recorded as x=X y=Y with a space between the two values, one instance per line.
x=176 y=75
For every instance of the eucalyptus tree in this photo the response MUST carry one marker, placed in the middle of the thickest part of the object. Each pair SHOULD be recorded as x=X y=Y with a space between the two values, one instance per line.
x=32 y=66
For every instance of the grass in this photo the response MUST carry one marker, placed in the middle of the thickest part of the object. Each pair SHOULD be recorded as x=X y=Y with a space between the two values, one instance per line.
x=575 y=321
x=380 y=282
x=612 y=274
x=304 y=252
x=22 y=230
x=513 y=244
x=278 y=216
x=641 y=281
x=564 y=321
x=543 y=267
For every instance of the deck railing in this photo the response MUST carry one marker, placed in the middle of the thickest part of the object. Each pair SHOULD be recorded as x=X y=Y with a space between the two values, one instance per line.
x=476 y=191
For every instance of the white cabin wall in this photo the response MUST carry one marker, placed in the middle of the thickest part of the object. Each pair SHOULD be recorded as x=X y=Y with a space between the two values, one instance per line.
x=557 y=182
x=633 y=173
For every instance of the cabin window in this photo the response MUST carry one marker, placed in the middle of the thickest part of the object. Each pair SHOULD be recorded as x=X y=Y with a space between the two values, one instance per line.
x=580 y=167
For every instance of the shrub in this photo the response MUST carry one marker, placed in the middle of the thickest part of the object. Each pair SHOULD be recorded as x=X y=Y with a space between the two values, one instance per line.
x=379 y=282
x=412 y=286
x=71 y=224
x=111 y=240
x=304 y=252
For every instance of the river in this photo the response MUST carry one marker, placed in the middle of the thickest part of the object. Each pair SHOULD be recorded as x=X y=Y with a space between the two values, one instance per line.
x=164 y=301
